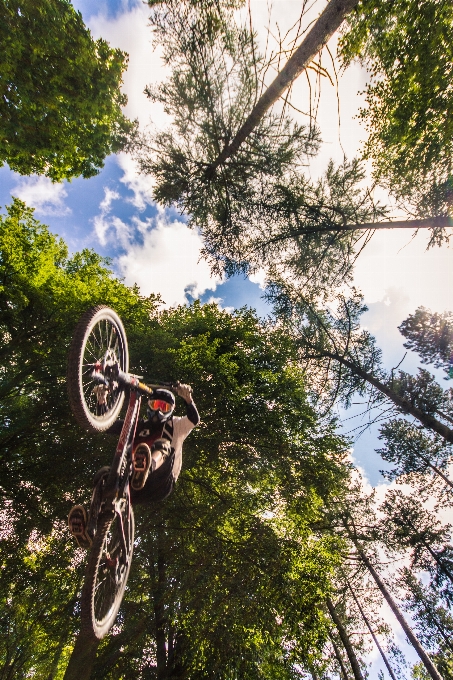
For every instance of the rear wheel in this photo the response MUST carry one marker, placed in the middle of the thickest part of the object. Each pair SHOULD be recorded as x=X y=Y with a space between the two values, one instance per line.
x=99 y=340
x=107 y=572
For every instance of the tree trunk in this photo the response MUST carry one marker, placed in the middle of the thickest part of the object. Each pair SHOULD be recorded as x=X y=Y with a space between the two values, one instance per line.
x=338 y=657
x=439 y=222
x=345 y=640
x=57 y=655
x=428 y=421
x=82 y=658
x=373 y=635
x=112 y=652
x=430 y=667
x=159 y=611
x=437 y=471
x=326 y=25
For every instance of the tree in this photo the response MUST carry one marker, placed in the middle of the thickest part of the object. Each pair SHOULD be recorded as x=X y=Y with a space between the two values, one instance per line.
x=60 y=103
x=355 y=521
x=343 y=359
x=345 y=640
x=409 y=112
x=229 y=569
x=233 y=167
x=430 y=334
x=433 y=619
x=329 y=21
x=408 y=525
x=413 y=451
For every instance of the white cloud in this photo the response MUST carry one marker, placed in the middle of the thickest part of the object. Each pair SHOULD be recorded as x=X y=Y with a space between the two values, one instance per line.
x=259 y=277
x=140 y=185
x=113 y=229
x=42 y=194
x=130 y=32
x=109 y=227
x=394 y=260
x=167 y=262
x=109 y=196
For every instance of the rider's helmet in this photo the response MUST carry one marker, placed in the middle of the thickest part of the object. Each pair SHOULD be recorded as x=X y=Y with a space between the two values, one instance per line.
x=161 y=405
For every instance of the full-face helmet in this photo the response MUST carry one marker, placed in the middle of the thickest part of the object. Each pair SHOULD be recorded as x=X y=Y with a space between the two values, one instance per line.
x=161 y=405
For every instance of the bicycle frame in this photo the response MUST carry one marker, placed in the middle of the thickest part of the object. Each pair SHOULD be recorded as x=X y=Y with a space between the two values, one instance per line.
x=118 y=478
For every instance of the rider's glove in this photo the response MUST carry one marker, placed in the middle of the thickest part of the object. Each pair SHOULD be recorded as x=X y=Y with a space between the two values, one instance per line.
x=184 y=391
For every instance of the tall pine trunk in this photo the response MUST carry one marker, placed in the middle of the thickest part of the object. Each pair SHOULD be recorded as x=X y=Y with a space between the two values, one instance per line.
x=159 y=609
x=430 y=667
x=427 y=420
x=338 y=657
x=323 y=29
x=345 y=640
x=372 y=633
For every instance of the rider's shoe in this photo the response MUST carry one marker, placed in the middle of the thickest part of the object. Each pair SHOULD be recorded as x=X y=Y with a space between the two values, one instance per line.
x=141 y=464
x=77 y=522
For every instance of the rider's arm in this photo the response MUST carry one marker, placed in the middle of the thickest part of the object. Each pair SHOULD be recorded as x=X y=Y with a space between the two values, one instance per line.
x=185 y=391
x=192 y=413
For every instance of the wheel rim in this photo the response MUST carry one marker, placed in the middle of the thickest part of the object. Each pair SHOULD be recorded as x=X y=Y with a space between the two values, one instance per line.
x=111 y=574
x=103 y=346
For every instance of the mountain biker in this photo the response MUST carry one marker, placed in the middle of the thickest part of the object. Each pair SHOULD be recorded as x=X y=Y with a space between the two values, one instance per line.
x=156 y=454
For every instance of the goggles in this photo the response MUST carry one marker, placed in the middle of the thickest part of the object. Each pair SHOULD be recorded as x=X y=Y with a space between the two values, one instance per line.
x=160 y=405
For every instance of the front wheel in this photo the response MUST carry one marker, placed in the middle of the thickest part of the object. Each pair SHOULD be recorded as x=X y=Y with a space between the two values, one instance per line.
x=107 y=572
x=99 y=340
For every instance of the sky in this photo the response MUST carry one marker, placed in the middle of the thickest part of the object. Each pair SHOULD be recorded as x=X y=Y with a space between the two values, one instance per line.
x=114 y=212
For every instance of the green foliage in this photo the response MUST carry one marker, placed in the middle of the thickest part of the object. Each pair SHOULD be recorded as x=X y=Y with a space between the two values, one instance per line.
x=229 y=570
x=42 y=294
x=408 y=49
x=412 y=450
x=408 y=525
x=430 y=334
x=60 y=104
x=243 y=571
x=38 y=603
x=256 y=209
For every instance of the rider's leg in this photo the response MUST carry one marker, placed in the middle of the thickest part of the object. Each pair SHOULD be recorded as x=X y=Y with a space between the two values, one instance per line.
x=77 y=522
x=160 y=451
x=146 y=460
x=158 y=486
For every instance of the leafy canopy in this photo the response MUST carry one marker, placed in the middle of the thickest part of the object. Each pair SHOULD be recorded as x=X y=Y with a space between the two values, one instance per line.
x=232 y=554
x=60 y=103
x=407 y=46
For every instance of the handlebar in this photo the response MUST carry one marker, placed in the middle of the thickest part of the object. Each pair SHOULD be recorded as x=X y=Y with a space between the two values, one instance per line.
x=103 y=374
x=134 y=383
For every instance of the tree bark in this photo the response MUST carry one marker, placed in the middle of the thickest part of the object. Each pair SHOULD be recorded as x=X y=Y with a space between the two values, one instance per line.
x=428 y=421
x=373 y=635
x=430 y=667
x=439 y=222
x=325 y=26
x=346 y=641
x=82 y=658
x=338 y=657
x=437 y=471
x=159 y=611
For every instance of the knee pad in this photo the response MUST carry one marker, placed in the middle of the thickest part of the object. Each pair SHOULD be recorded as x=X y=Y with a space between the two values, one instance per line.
x=162 y=445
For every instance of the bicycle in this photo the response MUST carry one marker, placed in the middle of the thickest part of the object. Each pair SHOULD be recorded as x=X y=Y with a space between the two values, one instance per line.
x=99 y=356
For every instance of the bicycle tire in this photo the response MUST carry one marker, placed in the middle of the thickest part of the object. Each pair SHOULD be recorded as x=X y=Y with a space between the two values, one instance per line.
x=98 y=332
x=104 y=584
